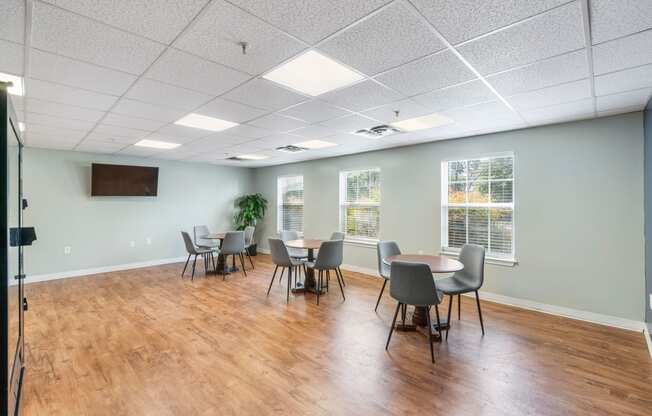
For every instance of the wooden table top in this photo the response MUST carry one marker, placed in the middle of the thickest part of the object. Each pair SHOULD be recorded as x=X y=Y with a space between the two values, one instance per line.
x=215 y=236
x=438 y=264
x=309 y=244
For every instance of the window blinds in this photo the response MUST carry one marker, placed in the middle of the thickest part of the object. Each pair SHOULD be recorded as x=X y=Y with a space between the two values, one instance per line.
x=360 y=203
x=290 y=203
x=478 y=207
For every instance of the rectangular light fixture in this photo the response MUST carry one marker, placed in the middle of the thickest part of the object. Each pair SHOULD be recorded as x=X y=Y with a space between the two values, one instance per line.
x=252 y=157
x=155 y=144
x=313 y=74
x=315 y=144
x=423 y=122
x=21 y=126
x=17 y=88
x=199 y=121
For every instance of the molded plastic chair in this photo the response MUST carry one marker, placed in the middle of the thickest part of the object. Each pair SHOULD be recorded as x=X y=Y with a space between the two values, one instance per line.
x=201 y=231
x=296 y=253
x=206 y=253
x=329 y=258
x=281 y=258
x=249 y=241
x=385 y=249
x=234 y=245
x=465 y=281
x=413 y=284
x=337 y=235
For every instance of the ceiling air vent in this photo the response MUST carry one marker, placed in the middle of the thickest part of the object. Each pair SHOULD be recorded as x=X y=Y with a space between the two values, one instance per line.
x=236 y=158
x=378 y=131
x=290 y=148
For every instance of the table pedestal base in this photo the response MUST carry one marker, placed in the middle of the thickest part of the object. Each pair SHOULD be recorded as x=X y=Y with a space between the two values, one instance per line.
x=419 y=323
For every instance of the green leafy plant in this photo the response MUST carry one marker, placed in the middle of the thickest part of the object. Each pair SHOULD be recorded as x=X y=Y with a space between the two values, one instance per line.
x=251 y=208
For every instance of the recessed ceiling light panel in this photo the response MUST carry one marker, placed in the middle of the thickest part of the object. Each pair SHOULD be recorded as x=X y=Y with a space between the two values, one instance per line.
x=155 y=144
x=17 y=87
x=199 y=121
x=423 y=122
x=315 y=144
x=248 y=157
x=313 y=74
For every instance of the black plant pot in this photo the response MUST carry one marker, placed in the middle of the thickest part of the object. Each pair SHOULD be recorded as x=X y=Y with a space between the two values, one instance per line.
x=252 y=249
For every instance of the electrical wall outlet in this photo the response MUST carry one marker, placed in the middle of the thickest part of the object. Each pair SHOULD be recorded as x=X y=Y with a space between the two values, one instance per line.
x=67 y=250
x=149 y=241
x=132 y=244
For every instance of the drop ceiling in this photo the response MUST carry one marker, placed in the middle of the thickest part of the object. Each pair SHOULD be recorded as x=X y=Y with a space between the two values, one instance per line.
x=102 y=76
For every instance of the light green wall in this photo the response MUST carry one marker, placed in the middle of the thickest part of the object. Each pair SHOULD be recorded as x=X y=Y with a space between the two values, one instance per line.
x=99 y=229
x=579 y=209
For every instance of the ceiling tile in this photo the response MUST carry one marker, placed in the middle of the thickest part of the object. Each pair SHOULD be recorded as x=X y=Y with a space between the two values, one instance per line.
x=278 y=123
x=458 y=96
x=230 y=111
x=144 y=110
x=310 y=20
x=251 y=132
x=48 y=143
x=277 y=140
x=433 y=72
x=69 y=95
x=482 y=115
x=57 y=121
x=346 y=139
x=406 y=109
x=629 y=79
x=13 y=20
x=139 y=151
x=11 y=58
x=261 y=93
x=387 y=39
x=160 y=20
x=60 y=133
x=459 y=20
x=558 y=94
x=99 y=147
x=619 y=110
x=54 y=68
x=636 y=98
x=562 y=112
x=362 y=96
x=250 y=147
x=170 y=139
x=350 y=123
x=216 y=33
x=77 y=37
x=612 y=19
x=558 y=70
x=224 y=139
x=107 y=132
x=166 y=95
x=34 y=105
x=175 y=130
x=623 y=53
x=185 y=70
x=314 y=111
x=119 y=120
x=313 y=132
x=553 y=33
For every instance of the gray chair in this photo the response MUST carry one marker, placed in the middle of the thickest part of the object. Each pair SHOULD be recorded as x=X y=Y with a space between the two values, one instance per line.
x=296 y=253
x=465 y=281
x=234 y=245
x=413 y=284
x=281 y=258
x=337 y=235
x=206 y=253
x=329 y=258
x=385 y=249
x=201 y=231
x=249 y=241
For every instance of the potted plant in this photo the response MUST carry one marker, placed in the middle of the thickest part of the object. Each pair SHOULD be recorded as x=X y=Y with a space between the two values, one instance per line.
x=251 y=209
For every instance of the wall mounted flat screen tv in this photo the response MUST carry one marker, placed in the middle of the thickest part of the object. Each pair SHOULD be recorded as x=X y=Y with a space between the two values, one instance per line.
x=123 y=180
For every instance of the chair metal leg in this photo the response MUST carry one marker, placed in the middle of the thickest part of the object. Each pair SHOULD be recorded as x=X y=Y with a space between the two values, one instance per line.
x=342 y=276
x=380 y=295
x=281 y=276
x=340 y=283
x=438 y=321
x=319 y=286
x=450 y=306
x=432 y=350
x=214 y=265
x=477 y=301
x=242 y=261
x=328 y=279
x=287 y=296
x=391 y=329
x=459 y=307
x=250 y=260
x=272 y=281
x=186 y=265
x=403 y=313
x=194 y=262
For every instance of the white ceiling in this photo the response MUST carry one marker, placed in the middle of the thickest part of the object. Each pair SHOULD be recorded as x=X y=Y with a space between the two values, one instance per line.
x=100 y=76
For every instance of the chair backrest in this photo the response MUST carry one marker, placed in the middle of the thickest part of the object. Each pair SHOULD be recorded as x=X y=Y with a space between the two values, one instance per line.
x=288 y=235
x=330 y=254
x=385 y=249
x=249 y=234
x=472 y=257
x=234 y=243
x=190 y=247
x=279 y=252
x=337 y=235
x=201 y=231
x=413 y=284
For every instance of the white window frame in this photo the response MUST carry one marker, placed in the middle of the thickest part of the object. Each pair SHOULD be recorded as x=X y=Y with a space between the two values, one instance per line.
x=507 y=259
x=351 y=238
x=279 y=201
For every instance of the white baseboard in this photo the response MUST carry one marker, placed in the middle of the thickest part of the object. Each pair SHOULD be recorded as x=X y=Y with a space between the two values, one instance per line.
x=103 y=269
x=648 y=338
x=358 y=269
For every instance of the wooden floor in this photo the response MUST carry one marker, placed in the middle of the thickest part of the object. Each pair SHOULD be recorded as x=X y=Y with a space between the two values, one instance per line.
x=145 y=342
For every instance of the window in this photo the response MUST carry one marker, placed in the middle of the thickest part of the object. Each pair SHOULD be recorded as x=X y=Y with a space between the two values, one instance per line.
x=478 y=205
x=290 y=203
x=360 y=203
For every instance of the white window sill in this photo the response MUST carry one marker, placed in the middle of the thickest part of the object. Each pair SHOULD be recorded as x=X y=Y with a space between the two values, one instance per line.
x=361 y=243
x=488 y=260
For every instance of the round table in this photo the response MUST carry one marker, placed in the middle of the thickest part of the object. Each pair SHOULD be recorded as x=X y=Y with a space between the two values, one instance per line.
x=311 y=245
x=437 y=264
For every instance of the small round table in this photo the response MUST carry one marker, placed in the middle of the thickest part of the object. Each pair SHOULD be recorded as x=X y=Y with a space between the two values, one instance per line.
x=311 y=245
x=437 y=264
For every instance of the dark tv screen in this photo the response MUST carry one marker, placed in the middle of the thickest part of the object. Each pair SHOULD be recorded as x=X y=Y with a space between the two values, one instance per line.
x=123 y=180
